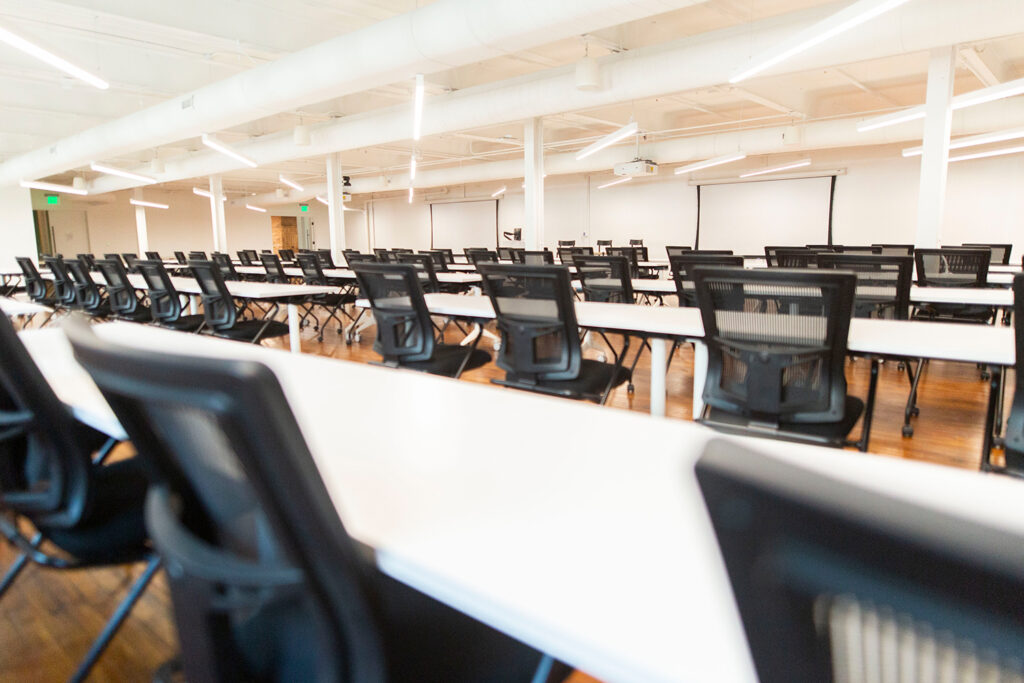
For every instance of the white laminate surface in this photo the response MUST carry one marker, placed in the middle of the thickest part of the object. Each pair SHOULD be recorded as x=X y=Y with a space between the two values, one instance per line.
x=20 y=307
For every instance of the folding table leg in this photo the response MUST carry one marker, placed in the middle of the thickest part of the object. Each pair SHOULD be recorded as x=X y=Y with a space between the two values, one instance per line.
x=700 y=374
x=293 y=328
x=659 y=361
x=995 y=382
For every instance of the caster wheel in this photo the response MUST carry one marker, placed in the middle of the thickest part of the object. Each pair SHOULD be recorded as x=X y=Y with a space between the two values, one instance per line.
x=357 y=338
x=601 y=357
x=915 y=411
x=986 y=375
x=497 y=346
x=320 y=338
x=348 y=340
x=631 y=389
x=999 y=442
x=908 y=431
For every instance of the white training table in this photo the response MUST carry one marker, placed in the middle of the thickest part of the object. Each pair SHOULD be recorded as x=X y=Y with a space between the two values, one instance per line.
x=347 y=274
x=631 y=587
x=18 y=307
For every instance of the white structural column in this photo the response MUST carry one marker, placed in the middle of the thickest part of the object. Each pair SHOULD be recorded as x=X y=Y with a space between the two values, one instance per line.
x=335 y=205
x=931 y=197
x=220 y=231
x=140 y=224
x=533 y=215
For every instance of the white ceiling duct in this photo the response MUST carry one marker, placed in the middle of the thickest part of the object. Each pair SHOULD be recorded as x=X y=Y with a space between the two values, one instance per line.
x=645 y=72
x=817 y=135
x=442 y=35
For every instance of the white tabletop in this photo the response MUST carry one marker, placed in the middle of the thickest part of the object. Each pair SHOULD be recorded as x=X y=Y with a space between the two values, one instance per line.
x=346 y=274
x=242 y=290
x=593 y=546
x=20 y=307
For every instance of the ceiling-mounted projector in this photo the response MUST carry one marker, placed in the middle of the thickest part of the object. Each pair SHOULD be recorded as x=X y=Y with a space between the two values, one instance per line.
x=637 y=167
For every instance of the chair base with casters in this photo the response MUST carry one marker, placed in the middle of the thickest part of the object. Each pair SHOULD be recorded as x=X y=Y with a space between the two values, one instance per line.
x=251 y=331
x=594 y=383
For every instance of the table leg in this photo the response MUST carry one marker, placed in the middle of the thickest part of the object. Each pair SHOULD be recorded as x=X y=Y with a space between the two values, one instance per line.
x=293 y=327
x=193 y=304
x=659 y=360
x=990 y=414
x=700 y=374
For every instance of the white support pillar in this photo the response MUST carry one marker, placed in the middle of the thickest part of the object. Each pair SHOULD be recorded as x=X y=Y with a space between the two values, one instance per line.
x=140 y=224
x=220 y=231
x=335 y=205
x=533 y=149
x=931 y=196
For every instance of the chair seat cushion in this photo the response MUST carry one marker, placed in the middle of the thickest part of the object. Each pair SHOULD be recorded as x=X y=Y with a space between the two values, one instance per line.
x=958 y=312
x=185 y=323
x=593 y=379
x=141 y=314
x=248 y=329
x=113 y=528
x=447 y=359
x=830 y=430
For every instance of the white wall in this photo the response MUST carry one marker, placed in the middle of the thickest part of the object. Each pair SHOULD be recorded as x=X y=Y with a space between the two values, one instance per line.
x=17 y=229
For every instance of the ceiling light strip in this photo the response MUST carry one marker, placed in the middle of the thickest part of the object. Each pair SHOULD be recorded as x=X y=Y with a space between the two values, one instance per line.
x=974 y=141
x=776 y=169
x=259 y=209
x=53 y=60
x=215 y=144
x=52 y=187
x=290 y=183
x=631 y=128
x=113 y=170
x=152 y=205
x=968 y=99
x=615 y=182
x=708 y=163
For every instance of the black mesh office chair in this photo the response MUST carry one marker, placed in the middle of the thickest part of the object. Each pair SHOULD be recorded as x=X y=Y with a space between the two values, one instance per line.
x=999 y=254
x=504 y=253
x=226 y=267
x=678 y=251
x=266 y=583
x=565 y=255
x=356 y=257
x=836 y=580
x=287 y=255
x=165 y=302
x=712 y=252
x=223 y=317
x=770 y=254
x=36 y=287
x=382 y=255
x=88 y=297
x=334 y=304
x=602 y=246
x=567 y=243
x=438 y=259
x=181 y=258
x=424 y=265
x=84 y=513
x=124 y=300
x=631 y=254
x=275 y=271
x=405 y=333
x=115 y=255
x=1014 y=440
x=63 y=287
x=953 y=268
x=478 y=256
x=153 y=256
x=776 y=343
x=197 y=256
x=534 y=258
x=682 y=272
x=87 y=260
x=795 y=258
x=540 y=339
x=245 y=258
x=129 y=262
x=326 y=258
x=636 y=243
x=855 y=250
x=896 y=249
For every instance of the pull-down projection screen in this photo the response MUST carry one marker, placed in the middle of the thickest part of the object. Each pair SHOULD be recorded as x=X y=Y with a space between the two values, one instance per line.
x=745 y=217
x=458 y=225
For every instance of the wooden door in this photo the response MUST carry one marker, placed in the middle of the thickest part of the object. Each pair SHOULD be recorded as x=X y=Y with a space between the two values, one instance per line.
x=284 y=232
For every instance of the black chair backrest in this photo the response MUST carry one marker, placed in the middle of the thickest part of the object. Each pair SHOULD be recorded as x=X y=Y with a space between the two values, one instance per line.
x=286 y=255
x=129 y=261
x=164 y=301
x=776 y=342
x=537 y=320
x=424 y=266
x=1015 y=423
x=641 y=253
x=605 y=278
x=683 y=266
x=382 y=255
x=504 y=253
x=567 y=243
x=678 y=251
x=356 y=257
x=63 y=287
x=244 y=257
x=848 y=249
x=219 y=310
x=565 y=255
x=275 y=271
x=952 y=267
x=449 y=255
x=636 y=243
x=87 y=260
x=825 y=247
x=251 y=253
x=537 y=258
x=896 y=249
x=438 y=259
x=583 y=251
x=1000 y=253
x=153 y=255
x=45 y=472
x=326 y=258
x=482 y=256
x=227 y=268
x=712 y=252
x=602 y=245
x=404 y=330
x=35 y=285
x=120 y=292
x=312 y=269
x=180 y=257
x=265 y=582
x=883 y=282
x=115 y=256
x=197 y=256
x=771 y=251
x=796 y=258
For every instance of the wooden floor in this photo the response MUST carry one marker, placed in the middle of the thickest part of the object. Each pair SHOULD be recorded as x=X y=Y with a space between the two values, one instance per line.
x=48 y=619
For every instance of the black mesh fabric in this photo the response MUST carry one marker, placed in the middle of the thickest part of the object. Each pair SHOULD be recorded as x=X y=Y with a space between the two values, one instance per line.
x=883 y=282
x=121 y=295
x=682 y=272
x=218 y=306
x=404 y=330
x=275 y=271
x=62 y=284
x=424 y=266
x=677 y=251
x=952 y=267
x=605 y=278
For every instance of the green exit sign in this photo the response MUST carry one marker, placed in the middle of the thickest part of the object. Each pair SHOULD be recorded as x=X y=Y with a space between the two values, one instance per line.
x=303 y=208
x=52 y=199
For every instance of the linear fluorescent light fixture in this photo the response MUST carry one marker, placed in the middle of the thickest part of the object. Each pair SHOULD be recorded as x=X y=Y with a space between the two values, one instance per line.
x=215 y=144
x=410 y=195
x=290 y=183
x=260 y=209
x=152 y=205
x=52 y=187
x=631 y=128
x=417 y=109
x=615 y=182
x=501 y=191
x=113 y=170
x=974 y=141
x=776 y=169
x=322 y=200
x=988 y=153
x=412 y=169
x=845 y=19
x=708 y=163
x=206 y=193
x=53 y=60
x=968 y=99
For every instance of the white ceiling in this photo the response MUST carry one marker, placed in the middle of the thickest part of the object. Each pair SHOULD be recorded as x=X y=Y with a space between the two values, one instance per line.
x=150 y=51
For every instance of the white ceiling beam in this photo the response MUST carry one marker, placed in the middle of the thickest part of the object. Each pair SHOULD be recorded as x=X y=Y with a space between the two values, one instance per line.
x=512 y=142
x=765 y=102
x=863 y=87
x=970 y=58
x=690 y=104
